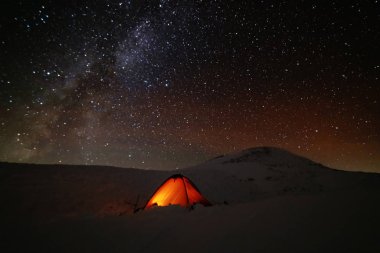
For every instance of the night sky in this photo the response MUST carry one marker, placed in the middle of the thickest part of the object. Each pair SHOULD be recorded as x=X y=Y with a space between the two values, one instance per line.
x=168 y=84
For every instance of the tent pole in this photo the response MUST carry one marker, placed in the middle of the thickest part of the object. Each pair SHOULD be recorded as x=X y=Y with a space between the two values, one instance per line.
x=184 y=185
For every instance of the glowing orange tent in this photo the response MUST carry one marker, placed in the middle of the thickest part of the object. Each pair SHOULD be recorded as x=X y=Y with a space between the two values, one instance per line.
x=177 y=190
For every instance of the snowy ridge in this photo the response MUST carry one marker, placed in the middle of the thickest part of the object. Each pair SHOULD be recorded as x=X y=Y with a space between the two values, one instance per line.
x=262 y=172
x=268 y=154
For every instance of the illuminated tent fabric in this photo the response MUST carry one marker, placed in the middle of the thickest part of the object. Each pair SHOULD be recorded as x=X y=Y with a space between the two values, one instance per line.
x=177 y=190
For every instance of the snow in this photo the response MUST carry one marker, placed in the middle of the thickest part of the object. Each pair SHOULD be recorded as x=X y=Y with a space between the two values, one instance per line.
x=265 y=200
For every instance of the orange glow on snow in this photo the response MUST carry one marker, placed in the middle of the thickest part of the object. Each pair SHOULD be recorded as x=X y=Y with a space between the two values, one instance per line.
x=177 y=191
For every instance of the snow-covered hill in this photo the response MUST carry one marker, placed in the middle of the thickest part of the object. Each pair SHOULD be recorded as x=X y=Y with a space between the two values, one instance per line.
x=265 y=200
x=263 y=172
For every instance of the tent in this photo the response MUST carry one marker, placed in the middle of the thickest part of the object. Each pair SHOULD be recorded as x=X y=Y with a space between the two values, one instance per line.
x=177 y=190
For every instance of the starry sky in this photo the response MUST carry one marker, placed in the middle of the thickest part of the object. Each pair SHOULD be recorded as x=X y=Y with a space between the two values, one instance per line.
x=169 y=84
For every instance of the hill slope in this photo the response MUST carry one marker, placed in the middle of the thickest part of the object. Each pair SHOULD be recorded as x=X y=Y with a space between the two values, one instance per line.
x=265 y=172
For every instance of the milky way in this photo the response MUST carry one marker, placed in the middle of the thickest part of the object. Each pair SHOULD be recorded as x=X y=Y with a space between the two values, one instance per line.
x=168 y=84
